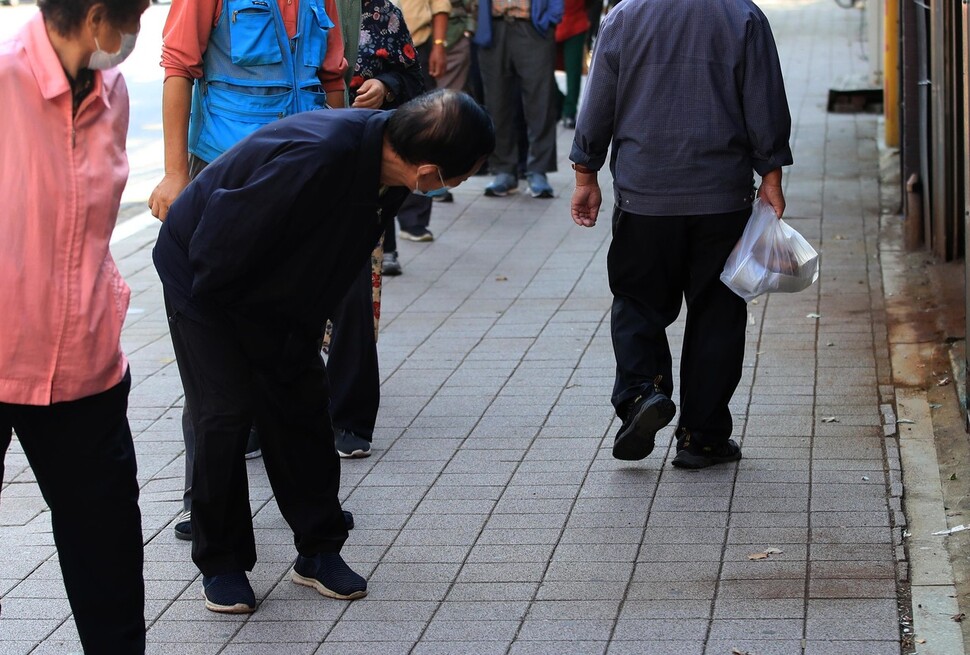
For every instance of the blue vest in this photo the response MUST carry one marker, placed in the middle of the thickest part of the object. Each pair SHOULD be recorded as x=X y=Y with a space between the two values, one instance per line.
x=254 y=74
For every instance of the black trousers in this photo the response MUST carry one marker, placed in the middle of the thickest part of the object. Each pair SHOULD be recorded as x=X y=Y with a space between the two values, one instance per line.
x=416 y=210
x=83 y=457
x=352 y=363
x=235 y=376
x=654 y=263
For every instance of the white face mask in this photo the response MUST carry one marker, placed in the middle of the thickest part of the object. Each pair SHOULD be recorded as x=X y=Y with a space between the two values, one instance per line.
x=101 y=60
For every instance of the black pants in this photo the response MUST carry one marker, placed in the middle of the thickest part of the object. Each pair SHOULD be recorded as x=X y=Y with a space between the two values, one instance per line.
x=654 y=262
x=352 y=364
x=82 y=455
x=235 y=376
x=415 y=213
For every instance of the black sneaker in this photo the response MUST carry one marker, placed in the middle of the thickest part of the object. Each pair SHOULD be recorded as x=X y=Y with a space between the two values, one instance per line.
x=183 y=526
x=348 y=519
x=252 y=445
x=416 y=234
x=229 y=593
x=329 y=574
x=390 y=264
x=694 y=455
x=350 y=444
x=647 y=415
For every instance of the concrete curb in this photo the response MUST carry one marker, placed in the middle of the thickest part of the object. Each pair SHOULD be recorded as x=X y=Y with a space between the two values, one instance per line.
x=931 y=577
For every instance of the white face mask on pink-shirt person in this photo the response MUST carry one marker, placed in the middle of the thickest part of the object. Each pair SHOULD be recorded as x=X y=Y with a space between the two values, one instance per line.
x=101 y=60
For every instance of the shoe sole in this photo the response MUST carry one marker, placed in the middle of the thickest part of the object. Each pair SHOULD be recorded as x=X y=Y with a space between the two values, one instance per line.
x=357 y=454
x=254 y=454
x=686 y=460
x=424 y=238
x=238 y=608
x=393 y=272
x=184 y=536
x=637 y=441
x=313 y=583
x=541 y=194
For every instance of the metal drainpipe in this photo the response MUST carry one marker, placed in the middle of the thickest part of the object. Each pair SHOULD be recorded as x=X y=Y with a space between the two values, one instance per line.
x=965 y=29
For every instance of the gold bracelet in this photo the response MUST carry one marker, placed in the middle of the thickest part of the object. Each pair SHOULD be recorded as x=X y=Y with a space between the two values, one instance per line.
x=440 y=42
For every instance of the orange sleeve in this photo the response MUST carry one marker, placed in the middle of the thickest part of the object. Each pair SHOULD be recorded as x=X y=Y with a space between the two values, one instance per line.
x=334 y=66
x=186 y=35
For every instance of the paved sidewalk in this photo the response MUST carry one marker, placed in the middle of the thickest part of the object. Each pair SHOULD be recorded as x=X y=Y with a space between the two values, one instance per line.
x=492 y=518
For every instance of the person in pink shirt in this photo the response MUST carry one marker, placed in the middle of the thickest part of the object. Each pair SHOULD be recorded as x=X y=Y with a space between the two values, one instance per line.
x=64 y=380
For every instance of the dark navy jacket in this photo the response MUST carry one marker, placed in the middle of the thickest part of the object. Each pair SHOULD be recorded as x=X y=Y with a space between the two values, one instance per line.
x=272 y=233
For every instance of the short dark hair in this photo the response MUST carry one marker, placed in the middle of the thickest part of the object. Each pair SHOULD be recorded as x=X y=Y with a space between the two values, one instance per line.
x=66 y=16
x=445 y=128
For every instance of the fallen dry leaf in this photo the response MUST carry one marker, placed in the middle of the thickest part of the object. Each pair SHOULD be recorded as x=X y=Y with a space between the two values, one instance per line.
x=738 y=651
x=764 y=554
x=830 y=419
x=501 y=278
x=959 y=617
x=920 y=641
x=813 y=315
x=943 y=382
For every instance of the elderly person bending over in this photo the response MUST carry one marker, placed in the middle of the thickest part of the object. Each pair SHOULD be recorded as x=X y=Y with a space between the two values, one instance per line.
x=256 y=253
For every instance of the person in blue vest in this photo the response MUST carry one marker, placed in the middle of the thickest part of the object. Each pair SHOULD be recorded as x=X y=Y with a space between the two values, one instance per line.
x=232 y=66
x=255 y=254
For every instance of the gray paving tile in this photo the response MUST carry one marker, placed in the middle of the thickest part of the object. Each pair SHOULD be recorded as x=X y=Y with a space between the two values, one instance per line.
x=852 y=647
x=658 y=629
x=469 y=630
x=755 y=646
x=364 y=648
x=776 y=629
x=583 y=647
x=450 y=648
x=638 y=647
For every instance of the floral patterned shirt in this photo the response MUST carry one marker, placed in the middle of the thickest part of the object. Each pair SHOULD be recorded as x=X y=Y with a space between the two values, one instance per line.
x=385 y=43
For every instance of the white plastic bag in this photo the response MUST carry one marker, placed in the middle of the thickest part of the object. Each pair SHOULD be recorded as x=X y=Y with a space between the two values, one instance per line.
x=770 y=256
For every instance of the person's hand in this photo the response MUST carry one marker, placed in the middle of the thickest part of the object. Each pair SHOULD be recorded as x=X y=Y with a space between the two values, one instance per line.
x=165 y=194
x=585 y=204
x=437 y=61
x=774 y=196
x=370 y=95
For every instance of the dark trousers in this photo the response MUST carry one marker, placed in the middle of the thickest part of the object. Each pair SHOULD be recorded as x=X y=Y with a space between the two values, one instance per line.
x=83 y=457
x=654 y=262
x=352 y=363
x=416 y=210
x=235 y=376
x=519 y=53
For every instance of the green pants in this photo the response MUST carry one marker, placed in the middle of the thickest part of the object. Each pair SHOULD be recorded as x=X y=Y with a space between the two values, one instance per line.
x=572 y=55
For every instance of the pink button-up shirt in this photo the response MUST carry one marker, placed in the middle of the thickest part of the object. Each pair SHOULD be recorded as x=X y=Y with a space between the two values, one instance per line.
x=62 y=300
